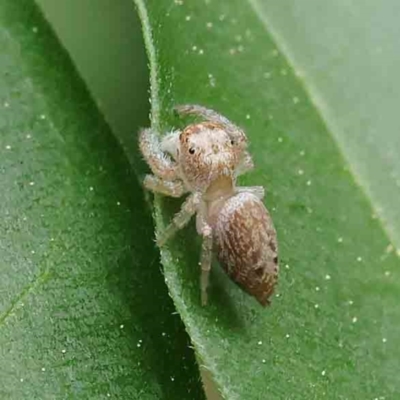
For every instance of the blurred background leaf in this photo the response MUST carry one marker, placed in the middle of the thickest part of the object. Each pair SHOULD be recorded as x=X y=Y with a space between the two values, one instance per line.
x=84 y=311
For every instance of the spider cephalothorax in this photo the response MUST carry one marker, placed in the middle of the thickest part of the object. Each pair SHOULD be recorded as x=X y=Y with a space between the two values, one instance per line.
x=205 y=159
x=200 y=159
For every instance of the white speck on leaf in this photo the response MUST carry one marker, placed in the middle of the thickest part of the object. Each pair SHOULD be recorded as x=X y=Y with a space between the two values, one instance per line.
x=267 y=75
x=359 y=259
x=8 y=147
x=327 y=277
x=188 y=17
x=259 y=342
x=209 y=25
x=211 y=80
x=354 y=320
x=31 y=183
x=295 y=100
x=323 y=373
x=340 y=240
x=43 y=369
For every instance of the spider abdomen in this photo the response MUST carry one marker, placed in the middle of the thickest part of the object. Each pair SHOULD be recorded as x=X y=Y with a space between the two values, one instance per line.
x=246 y=245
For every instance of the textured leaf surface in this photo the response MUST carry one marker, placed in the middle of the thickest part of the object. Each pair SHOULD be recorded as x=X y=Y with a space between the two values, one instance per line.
x=84 y=311
x=332 y=331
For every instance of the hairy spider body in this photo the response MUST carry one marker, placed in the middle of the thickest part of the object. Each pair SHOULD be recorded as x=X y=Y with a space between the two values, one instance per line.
x=246 y=245
x=204 y=160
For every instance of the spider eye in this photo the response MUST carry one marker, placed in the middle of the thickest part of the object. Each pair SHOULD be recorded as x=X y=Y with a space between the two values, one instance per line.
x=232 y=142
x=192 y=150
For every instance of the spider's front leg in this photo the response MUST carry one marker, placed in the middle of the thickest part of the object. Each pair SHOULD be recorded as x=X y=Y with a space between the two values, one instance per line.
x=165 y=179
x=246 y=164
x=167 y=188
x=188 y=209
x=206 y=253
x=160 y=164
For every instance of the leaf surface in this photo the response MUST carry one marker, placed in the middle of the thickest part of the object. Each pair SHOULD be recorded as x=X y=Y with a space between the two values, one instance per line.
x=332 y=330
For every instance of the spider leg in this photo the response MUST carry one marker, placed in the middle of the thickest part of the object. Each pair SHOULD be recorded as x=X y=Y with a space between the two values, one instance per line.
x=206 y=258
x=258 y=191
x=234 y=131
x=160 y=164
x=167 y=188
x=188 y=209
x=245 y=165
x=206 y=254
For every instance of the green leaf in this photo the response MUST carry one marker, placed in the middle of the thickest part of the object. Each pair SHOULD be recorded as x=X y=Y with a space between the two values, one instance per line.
x=332 y=330
x=84 y=311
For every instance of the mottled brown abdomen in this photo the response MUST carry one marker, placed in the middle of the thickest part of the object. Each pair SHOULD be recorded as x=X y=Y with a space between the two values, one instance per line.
x=246 y=245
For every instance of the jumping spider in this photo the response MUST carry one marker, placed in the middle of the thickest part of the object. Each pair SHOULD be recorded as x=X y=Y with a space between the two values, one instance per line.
x=204 y=159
